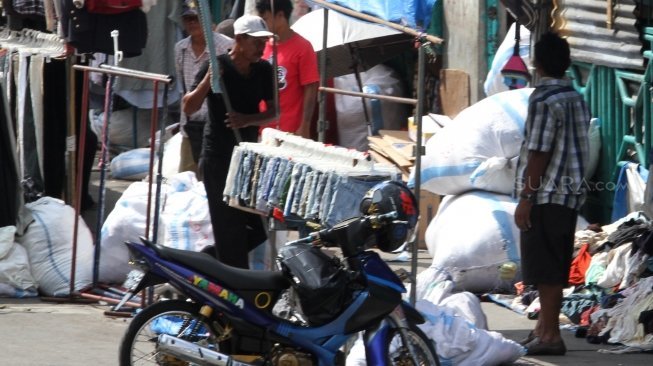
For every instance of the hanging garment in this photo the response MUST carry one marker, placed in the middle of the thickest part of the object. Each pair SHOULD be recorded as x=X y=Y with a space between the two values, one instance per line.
x=8 y=174
x=29 y=7
x=300 y=182
x=35 y=78
x=161 y=27
x=28 y=131
x=90 y=33
x=112 y=6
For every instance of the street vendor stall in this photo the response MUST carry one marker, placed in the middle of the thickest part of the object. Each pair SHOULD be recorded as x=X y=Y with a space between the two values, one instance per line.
x=421 y=39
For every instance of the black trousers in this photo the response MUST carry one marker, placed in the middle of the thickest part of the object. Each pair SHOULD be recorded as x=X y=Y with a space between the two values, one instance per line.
x=235 y=231
x=195 y=131
x=547 y=247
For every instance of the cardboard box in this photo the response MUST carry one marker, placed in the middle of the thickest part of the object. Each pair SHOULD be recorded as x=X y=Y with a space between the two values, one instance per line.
x=428 y=207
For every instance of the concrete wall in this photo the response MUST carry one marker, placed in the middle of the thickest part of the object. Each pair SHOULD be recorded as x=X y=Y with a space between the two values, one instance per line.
x=464 y=34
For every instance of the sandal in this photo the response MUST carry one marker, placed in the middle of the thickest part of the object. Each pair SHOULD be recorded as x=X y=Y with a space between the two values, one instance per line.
x=528 y=339
x=539 y=348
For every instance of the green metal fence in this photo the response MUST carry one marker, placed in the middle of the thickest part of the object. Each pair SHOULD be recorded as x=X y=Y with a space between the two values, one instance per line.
x=622 y=101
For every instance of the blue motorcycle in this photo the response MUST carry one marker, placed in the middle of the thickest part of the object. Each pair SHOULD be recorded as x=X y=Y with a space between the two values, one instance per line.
x=305 y=314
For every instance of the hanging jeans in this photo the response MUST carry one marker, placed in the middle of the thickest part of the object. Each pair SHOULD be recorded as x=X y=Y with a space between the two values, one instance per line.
x=347 y=195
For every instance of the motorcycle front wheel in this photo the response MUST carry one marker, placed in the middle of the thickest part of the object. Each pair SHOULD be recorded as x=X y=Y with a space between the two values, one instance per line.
x=181 y=319
x=399 y=350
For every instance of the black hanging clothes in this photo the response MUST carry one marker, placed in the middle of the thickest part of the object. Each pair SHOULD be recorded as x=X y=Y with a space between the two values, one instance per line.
x=9 y=192
x=90 y=32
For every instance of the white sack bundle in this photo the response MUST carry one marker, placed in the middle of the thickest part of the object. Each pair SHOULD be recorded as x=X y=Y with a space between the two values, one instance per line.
x=46 y=232
x=474 y=239
x=16 y=278
x=126 y=222
x=478 y=149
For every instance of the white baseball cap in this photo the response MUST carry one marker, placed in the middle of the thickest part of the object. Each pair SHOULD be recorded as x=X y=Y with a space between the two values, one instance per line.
x=251 y=25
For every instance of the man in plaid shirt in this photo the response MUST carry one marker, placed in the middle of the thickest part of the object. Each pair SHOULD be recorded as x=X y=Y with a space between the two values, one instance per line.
x=550 y=171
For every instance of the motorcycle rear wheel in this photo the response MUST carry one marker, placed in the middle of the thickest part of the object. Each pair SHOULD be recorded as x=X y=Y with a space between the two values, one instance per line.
x=173 y=317
x=399 y=353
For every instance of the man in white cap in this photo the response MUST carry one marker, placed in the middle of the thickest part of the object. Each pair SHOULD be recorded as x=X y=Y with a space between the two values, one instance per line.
x=248 y=82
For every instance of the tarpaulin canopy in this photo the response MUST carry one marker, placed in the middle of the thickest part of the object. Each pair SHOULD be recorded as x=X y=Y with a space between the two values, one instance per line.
x=352 y=44
x=412 y=13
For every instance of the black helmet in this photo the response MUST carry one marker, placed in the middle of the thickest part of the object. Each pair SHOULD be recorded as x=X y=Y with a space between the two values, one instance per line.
x=386 y=197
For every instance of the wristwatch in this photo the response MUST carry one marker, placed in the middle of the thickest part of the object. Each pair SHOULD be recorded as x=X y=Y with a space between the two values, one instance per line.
x=528 y=196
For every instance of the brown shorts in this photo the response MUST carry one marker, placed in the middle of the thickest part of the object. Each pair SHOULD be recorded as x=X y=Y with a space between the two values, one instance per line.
x=547 y=247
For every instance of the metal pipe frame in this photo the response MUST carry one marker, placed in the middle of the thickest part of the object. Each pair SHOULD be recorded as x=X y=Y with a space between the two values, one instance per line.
x=121 y=71
x=369 y=96
x=112 y=71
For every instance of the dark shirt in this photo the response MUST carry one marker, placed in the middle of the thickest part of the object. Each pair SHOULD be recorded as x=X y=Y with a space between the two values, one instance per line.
x=245 y=94
x=90 y=32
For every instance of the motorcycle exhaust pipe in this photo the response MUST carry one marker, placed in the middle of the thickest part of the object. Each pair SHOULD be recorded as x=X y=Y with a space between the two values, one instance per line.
x=191 y=352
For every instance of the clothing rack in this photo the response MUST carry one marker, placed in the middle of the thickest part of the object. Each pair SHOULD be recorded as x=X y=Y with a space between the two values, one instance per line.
x=33 y=41
x=324 y=183
x=156 y=79
x=274 y=137
x=19 y=45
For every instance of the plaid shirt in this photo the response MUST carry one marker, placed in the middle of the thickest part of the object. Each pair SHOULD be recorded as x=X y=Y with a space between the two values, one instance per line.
x=558 y=122
x=187 y=66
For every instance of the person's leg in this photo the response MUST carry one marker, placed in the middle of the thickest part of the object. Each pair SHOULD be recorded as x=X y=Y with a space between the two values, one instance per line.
x=554 y=225
x=230 y=225
x=548 y=328
x=256 y=231
x=231 y=237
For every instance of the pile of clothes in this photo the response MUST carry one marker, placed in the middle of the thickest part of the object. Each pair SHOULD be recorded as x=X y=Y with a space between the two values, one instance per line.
x=611 y=298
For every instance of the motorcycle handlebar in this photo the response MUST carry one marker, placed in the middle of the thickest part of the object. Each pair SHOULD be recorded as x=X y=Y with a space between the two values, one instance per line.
x=374 y=221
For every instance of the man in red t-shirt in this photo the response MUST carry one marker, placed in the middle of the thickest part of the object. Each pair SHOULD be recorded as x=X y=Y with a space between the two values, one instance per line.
x=296 y=69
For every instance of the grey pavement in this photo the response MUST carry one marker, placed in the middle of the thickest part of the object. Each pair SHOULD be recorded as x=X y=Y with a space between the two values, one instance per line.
x=44 y=333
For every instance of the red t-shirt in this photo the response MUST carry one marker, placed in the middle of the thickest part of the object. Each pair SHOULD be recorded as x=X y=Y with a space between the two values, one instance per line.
x=296 y=67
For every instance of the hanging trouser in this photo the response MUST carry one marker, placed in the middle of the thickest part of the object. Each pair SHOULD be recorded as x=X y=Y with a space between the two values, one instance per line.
x=55 y=129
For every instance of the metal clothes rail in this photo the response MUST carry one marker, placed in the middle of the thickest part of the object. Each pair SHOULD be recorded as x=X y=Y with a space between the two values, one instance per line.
x=114 y=71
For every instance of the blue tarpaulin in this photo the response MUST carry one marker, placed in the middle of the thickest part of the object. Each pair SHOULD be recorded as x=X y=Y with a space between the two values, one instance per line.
x=415 y=14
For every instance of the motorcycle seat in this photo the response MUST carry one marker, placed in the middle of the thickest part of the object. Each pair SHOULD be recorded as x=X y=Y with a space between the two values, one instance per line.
x=230 y=277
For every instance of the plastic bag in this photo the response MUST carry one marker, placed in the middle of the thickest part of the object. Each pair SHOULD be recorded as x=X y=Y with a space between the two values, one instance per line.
x=319 y=282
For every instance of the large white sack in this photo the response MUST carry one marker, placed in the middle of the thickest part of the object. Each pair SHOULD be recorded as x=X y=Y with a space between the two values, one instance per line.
x=128 y=128
x=474 y=239
x=494 y=80
x=461 y=343
x=490 y=130
x=171 y=156
x=437 y=287
x=185 y=220
x=458 y=340
x=126 y=222
x=46 y=233
x=352 y=129
x=7 y=235
x=132 y=164
x=16 y=278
